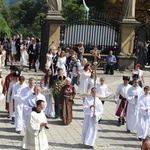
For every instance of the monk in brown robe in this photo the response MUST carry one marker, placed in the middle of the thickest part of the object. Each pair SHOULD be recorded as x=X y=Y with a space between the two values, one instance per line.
x=67 y=94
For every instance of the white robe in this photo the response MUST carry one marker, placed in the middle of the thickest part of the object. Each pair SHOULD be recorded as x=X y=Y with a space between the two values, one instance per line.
x=9 y=97
x=121 y=90
x=144 y=117
x=24 y=57
x=25 y=92
x=18 y=105
x=90 y=124
x=35 y=137
x=132 y=109
x=102 y=90
x=61 y=64
x=84 y=77
x=29 y=103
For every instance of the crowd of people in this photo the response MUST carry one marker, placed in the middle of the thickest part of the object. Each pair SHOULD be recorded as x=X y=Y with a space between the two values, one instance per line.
x=68 y=73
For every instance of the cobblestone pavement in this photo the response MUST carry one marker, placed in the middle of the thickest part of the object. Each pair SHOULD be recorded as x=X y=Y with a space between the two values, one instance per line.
x=69 y=137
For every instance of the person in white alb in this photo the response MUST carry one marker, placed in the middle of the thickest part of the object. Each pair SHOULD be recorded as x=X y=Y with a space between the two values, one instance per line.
x=30 y=101
x=25 y=92
x=10 y=96
x=35 y=137
x=133 y=96
x=18 y=104
x=90 y=123
x=144 y=114
x=121 y=100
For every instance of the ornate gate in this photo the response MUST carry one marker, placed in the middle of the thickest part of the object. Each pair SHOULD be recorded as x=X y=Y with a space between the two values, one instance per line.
x=98 y=30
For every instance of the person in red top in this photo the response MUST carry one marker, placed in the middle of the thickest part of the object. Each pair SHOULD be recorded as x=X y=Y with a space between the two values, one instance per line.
x=8 y=79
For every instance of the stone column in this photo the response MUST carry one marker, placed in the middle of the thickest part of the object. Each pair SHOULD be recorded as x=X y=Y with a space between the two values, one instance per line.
x=55 y=19
x=126 y=59
x=50 y=34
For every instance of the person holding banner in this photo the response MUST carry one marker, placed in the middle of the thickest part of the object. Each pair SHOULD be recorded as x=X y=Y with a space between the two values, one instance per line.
x=121 y=100
x=93 y=110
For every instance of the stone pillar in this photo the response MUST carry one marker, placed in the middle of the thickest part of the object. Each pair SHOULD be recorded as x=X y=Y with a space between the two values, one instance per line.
x=126 y=58
x=55 y=19
x=50 y=34
x=127 y=37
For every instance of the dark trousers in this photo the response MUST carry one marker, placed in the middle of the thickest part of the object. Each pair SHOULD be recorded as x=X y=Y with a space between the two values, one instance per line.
x=31 y=58
x=110 y=68
x=18 y=53
x=56 y=105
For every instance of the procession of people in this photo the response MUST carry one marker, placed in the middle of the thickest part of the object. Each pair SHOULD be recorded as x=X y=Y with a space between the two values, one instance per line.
x=68 y=74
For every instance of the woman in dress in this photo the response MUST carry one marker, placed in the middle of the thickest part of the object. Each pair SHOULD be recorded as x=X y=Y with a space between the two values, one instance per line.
x=61 y=63
x=46 y=83
x=83 y=78
x=13 y=49
x=49 y=60
x=139 y=72
x=23 y=56
x=67 y=95
x=2 y=97
x=91 y=82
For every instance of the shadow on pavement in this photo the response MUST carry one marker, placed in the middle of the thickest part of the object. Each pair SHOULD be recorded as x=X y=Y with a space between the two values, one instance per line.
x=55 y=122
x=10 y=147
x=119 y=138
x=65 y=145
x=127 y=145
x=13 y=137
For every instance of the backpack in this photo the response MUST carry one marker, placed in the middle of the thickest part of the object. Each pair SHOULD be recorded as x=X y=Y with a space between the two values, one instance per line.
x=74 y=64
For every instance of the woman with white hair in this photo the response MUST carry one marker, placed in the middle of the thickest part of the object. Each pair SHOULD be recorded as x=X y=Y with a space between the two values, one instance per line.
x=67 y=94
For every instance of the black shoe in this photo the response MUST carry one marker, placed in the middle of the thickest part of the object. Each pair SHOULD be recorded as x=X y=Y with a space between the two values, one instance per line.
x=105 y=73
x=99 y=120
x=19 y=132
x=46 y=127
x=140 y=139
x=128 y=131
x=55 y=117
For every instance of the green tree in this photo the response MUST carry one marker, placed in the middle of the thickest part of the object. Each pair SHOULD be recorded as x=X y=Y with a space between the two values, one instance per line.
x=26 y=15
x=3 y=23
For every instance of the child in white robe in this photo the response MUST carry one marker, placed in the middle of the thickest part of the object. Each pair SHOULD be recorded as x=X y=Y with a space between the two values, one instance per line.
x=133 y=94
x=144 y=115
x=102 y=89
x=90 y=123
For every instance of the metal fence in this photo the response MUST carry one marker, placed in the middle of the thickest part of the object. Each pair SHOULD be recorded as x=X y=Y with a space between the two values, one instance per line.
x=98 y=30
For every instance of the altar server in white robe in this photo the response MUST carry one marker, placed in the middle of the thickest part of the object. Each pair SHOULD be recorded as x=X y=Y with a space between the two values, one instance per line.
x=18 y=104
x=25 y=92
x=9 y=95
x=90 y=123
x=30 y=101
x=35 y=137
x=144 y=115
x=121 y=100
x=133 y=95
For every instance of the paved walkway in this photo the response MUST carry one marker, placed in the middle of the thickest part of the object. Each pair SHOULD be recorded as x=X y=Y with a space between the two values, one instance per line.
x=69 y=137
